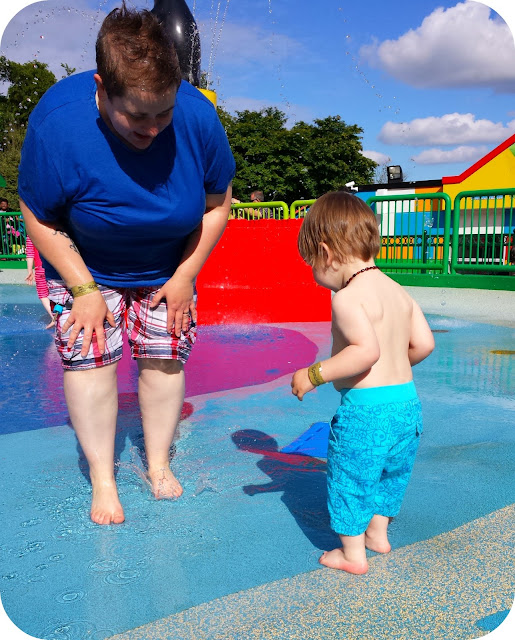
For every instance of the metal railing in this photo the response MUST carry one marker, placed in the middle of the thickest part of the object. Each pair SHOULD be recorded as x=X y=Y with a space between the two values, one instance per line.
x=421 y=233
x=260 y=211
x=415 y=232
x=483 y=232
x=12 y=235
x=299 y=208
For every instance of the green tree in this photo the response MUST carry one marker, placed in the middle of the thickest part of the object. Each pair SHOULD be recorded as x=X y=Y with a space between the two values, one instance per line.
x=331 y=153
x=298 y=163
x=27 y=83
x=259 y=141
x=9 y=161
x=67 y=69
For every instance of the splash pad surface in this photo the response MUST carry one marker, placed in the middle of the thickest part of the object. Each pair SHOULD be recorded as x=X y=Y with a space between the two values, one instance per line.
x=251 y=517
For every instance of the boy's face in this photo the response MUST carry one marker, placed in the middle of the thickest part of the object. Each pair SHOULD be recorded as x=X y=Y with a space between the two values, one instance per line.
x=137 y=117
x=3 y=205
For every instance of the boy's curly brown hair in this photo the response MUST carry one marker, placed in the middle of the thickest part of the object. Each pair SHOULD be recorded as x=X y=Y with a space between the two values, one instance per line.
x=134 y=51
x=345 y=223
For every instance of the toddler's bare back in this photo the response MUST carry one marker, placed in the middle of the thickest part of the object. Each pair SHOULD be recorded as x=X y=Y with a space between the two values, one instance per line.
x=389 y=309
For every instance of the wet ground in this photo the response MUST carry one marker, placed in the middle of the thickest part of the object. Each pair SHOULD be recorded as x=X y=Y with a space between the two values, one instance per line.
x=236 y=556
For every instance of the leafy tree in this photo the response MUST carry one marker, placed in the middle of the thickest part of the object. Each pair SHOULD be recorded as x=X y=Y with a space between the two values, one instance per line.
x=9 y=161
x=259 y=141
x=300 y=163
x=68 y=70
x=27 y=83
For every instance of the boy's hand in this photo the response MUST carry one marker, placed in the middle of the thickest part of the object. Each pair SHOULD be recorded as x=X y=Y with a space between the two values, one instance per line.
x=301 y=384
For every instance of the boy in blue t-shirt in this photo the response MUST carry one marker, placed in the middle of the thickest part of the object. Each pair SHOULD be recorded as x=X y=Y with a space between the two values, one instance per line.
x=125 y=186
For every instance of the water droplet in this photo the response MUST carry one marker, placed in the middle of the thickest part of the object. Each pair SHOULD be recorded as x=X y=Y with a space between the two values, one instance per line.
x=103 y=565
x=69 y=596
x=10 y=576
x=122 y=577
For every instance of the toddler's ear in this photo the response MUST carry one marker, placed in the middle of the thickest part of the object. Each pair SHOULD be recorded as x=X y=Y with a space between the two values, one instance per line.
x=326 y=253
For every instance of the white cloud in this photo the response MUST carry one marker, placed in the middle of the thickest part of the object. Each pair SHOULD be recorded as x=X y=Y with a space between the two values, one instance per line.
x=457 y=47
x=449 y=129
x=376 y=156
x=449 y=156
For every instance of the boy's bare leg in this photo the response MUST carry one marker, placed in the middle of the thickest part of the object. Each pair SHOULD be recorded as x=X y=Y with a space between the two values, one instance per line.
x=351 y=557
x=376 y=535
x=161 y=396
x=92 y=399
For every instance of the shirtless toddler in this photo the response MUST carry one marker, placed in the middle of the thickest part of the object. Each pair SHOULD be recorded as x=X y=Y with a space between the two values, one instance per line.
x=379 y=332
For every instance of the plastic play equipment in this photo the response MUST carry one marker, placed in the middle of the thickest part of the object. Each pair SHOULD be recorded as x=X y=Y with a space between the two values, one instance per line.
x=180 y=24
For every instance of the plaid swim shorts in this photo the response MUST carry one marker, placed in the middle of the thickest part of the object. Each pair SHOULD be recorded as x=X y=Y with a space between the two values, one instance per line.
x=146 y=328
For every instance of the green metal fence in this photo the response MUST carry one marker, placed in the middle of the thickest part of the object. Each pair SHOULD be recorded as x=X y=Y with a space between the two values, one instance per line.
x=415 y=232
x=421 y=233
x=299 y=208
x=483 y=232
x=12 y=236
x=260 y=210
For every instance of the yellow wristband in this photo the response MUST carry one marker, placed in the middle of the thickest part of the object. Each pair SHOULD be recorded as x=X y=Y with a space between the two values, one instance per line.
x=315 y=374
x=84 y=289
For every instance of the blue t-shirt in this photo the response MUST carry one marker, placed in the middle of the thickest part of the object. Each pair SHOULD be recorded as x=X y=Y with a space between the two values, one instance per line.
x=129 y=212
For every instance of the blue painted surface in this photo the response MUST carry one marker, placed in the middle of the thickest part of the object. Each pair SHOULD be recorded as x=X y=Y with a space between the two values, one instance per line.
x=489 y=623
x=313 y=442
x=250 y=513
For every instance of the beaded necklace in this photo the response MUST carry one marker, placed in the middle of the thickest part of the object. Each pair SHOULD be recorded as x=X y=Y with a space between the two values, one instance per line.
x=357 y=274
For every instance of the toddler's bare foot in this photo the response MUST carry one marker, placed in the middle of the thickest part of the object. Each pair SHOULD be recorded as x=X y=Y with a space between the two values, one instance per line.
x=105 y=504
x=336 y=559
x=376 y=535
x=164 y=484
x=377 y=542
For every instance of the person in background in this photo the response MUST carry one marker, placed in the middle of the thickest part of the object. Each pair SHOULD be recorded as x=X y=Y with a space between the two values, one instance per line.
x=11 y=229
x=379 y=333
x=125 y=186
x=4 y=205
x=36 y=272
x=264 y=212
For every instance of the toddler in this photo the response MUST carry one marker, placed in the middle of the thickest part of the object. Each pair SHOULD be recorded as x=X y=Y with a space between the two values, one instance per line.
x=379 y=332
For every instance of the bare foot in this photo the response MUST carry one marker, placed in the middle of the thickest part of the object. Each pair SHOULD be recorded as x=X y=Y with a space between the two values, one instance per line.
x=105 y=505
x=336 y=559
x=376 y=535
x=164 y=484
x=377 y=542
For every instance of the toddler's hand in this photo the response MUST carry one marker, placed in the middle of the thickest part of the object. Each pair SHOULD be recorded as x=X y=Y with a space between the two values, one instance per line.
x=301 y=384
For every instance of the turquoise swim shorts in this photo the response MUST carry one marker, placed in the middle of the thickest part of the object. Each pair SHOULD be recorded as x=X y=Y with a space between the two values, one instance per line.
x=373 y=441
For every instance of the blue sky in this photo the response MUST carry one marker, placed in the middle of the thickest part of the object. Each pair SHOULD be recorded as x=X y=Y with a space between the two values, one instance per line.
x=431 y=82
